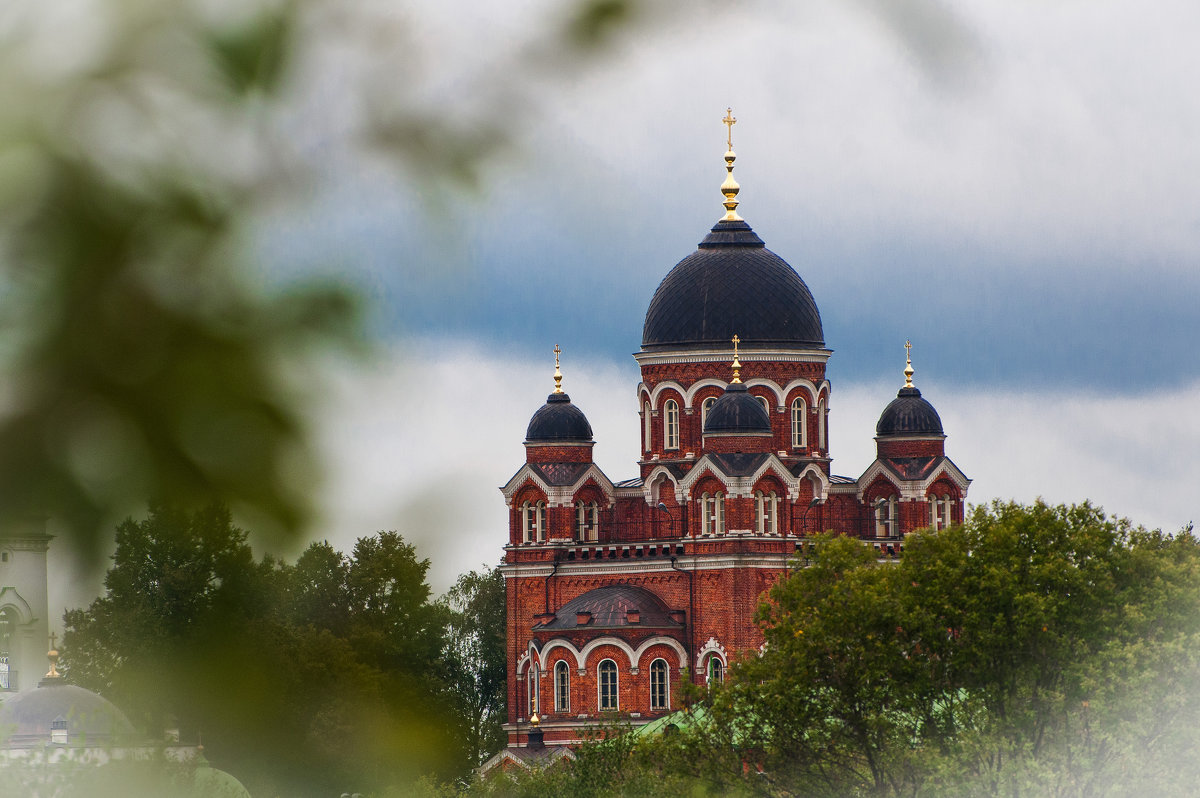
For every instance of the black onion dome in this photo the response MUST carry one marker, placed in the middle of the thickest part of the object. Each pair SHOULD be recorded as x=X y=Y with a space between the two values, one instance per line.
x=558 y=421
x=737 y=411
x=732 y=285
x=909 y=414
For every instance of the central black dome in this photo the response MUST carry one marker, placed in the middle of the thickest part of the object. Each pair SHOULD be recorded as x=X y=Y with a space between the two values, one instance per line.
x=737 y=412
x=909 y=414
x=732 y=285
x=558 y=421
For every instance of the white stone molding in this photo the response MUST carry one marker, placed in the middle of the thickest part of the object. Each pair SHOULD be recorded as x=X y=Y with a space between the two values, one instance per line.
x=711 y=647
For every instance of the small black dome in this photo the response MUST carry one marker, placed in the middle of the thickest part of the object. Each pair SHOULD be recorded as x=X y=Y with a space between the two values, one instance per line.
x=732 y=285
x=90 y=719
x=558 y=421
x=737 y=411
x=909 y=414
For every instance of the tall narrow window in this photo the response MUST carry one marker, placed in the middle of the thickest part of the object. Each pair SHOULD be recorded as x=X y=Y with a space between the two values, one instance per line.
x=716 y=670
x=533 y=522
x=939 y=511
x=799 y=424
x=885 y=517
x=762 y=400
x=712 y=507
x=766 y=512
x=646 y=416
x=533 y=690
x=671 y=425
x=821 y=425
x=587 y=521
x=660 y=687
x=608 y=685
x=562 y=687
x=5 y=677
x=705 y=406
x=58 y=731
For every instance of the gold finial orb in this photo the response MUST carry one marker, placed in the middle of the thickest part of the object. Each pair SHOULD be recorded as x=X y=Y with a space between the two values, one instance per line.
x=737 y=364
x=557 y=371
x=730 y=188
x=52 y=655
x=908 y=369
x=535 y=720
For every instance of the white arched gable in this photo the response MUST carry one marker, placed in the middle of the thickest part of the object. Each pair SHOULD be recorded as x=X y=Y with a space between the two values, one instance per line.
x=523 y=475
x=607 y=640
x=544 y=655
x=699 y=385
x=522 y=663
x=877 y=469
x=698 y=472
x=652 y=478
x=669 y=641
x=812 y=472
x=11 y=599
x=711 y=647
x=774 y=386
x=950 y=471
x=662 y=386
x=775 y=466
x=808 y=386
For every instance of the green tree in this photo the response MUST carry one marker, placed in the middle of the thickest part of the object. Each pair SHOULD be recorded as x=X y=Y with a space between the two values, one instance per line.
x=475 y=654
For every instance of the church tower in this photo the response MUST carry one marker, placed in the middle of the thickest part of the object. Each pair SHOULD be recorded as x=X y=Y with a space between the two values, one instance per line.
x=618 y=591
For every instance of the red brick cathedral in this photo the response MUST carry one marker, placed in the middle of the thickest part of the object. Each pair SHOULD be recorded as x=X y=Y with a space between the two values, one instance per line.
x=617 y=590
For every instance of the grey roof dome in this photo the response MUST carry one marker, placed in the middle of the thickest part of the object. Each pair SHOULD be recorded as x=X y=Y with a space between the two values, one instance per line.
x=558 y=421
x=737 y=411
x=732 y=284
x=90 y=718
x=909 y=414
x=609 y=606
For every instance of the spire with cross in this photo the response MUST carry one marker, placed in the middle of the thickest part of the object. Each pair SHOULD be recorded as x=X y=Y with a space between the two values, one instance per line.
x=730 y=188
x=557 y=371
x=908 y=369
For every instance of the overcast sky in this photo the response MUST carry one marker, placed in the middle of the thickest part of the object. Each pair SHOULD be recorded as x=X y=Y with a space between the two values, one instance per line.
x=1011 y=185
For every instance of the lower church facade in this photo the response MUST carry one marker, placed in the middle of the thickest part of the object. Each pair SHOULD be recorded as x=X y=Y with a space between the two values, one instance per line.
x=619 y=590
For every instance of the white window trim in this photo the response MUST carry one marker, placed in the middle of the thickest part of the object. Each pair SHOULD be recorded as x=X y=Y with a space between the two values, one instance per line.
x=647 y=427
x=533 y=692
x=616 y=673
x=665 y=670
x=562 y=692
x=799 y=423
x=712 y=513
x=671 y=425
x=766 y=512
x=821 y=424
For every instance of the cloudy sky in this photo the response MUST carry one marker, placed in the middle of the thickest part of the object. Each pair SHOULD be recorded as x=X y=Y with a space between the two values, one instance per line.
x=1011 y=185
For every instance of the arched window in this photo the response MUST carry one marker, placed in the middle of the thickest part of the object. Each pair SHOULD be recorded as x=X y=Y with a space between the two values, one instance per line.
x=715 y=670
x=671 y=425
x=705 y=406
x=766 y=512
x=799 y=423
x=821 y=424
x=562 y=687
x=607 y=686
x=660 y=685
x=939 y=511
x=533 y=522
x=712 y=513
x=646 y=416
x=8 y=632
x=762 y=400
x=533 y=690
x=885 y=517
x=587 y=521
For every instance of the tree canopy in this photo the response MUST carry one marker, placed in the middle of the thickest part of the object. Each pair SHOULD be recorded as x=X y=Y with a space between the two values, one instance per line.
x=336 y=673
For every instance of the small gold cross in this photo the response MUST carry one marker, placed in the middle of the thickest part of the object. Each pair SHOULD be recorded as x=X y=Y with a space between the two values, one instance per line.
x=729 y=123
x=737 y=364
x=53 y=638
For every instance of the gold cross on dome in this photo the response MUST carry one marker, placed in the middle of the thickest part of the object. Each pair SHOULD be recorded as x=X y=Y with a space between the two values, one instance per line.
x=53 y=639
x=908 y=369
x=557 y=373
x=729 y=123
